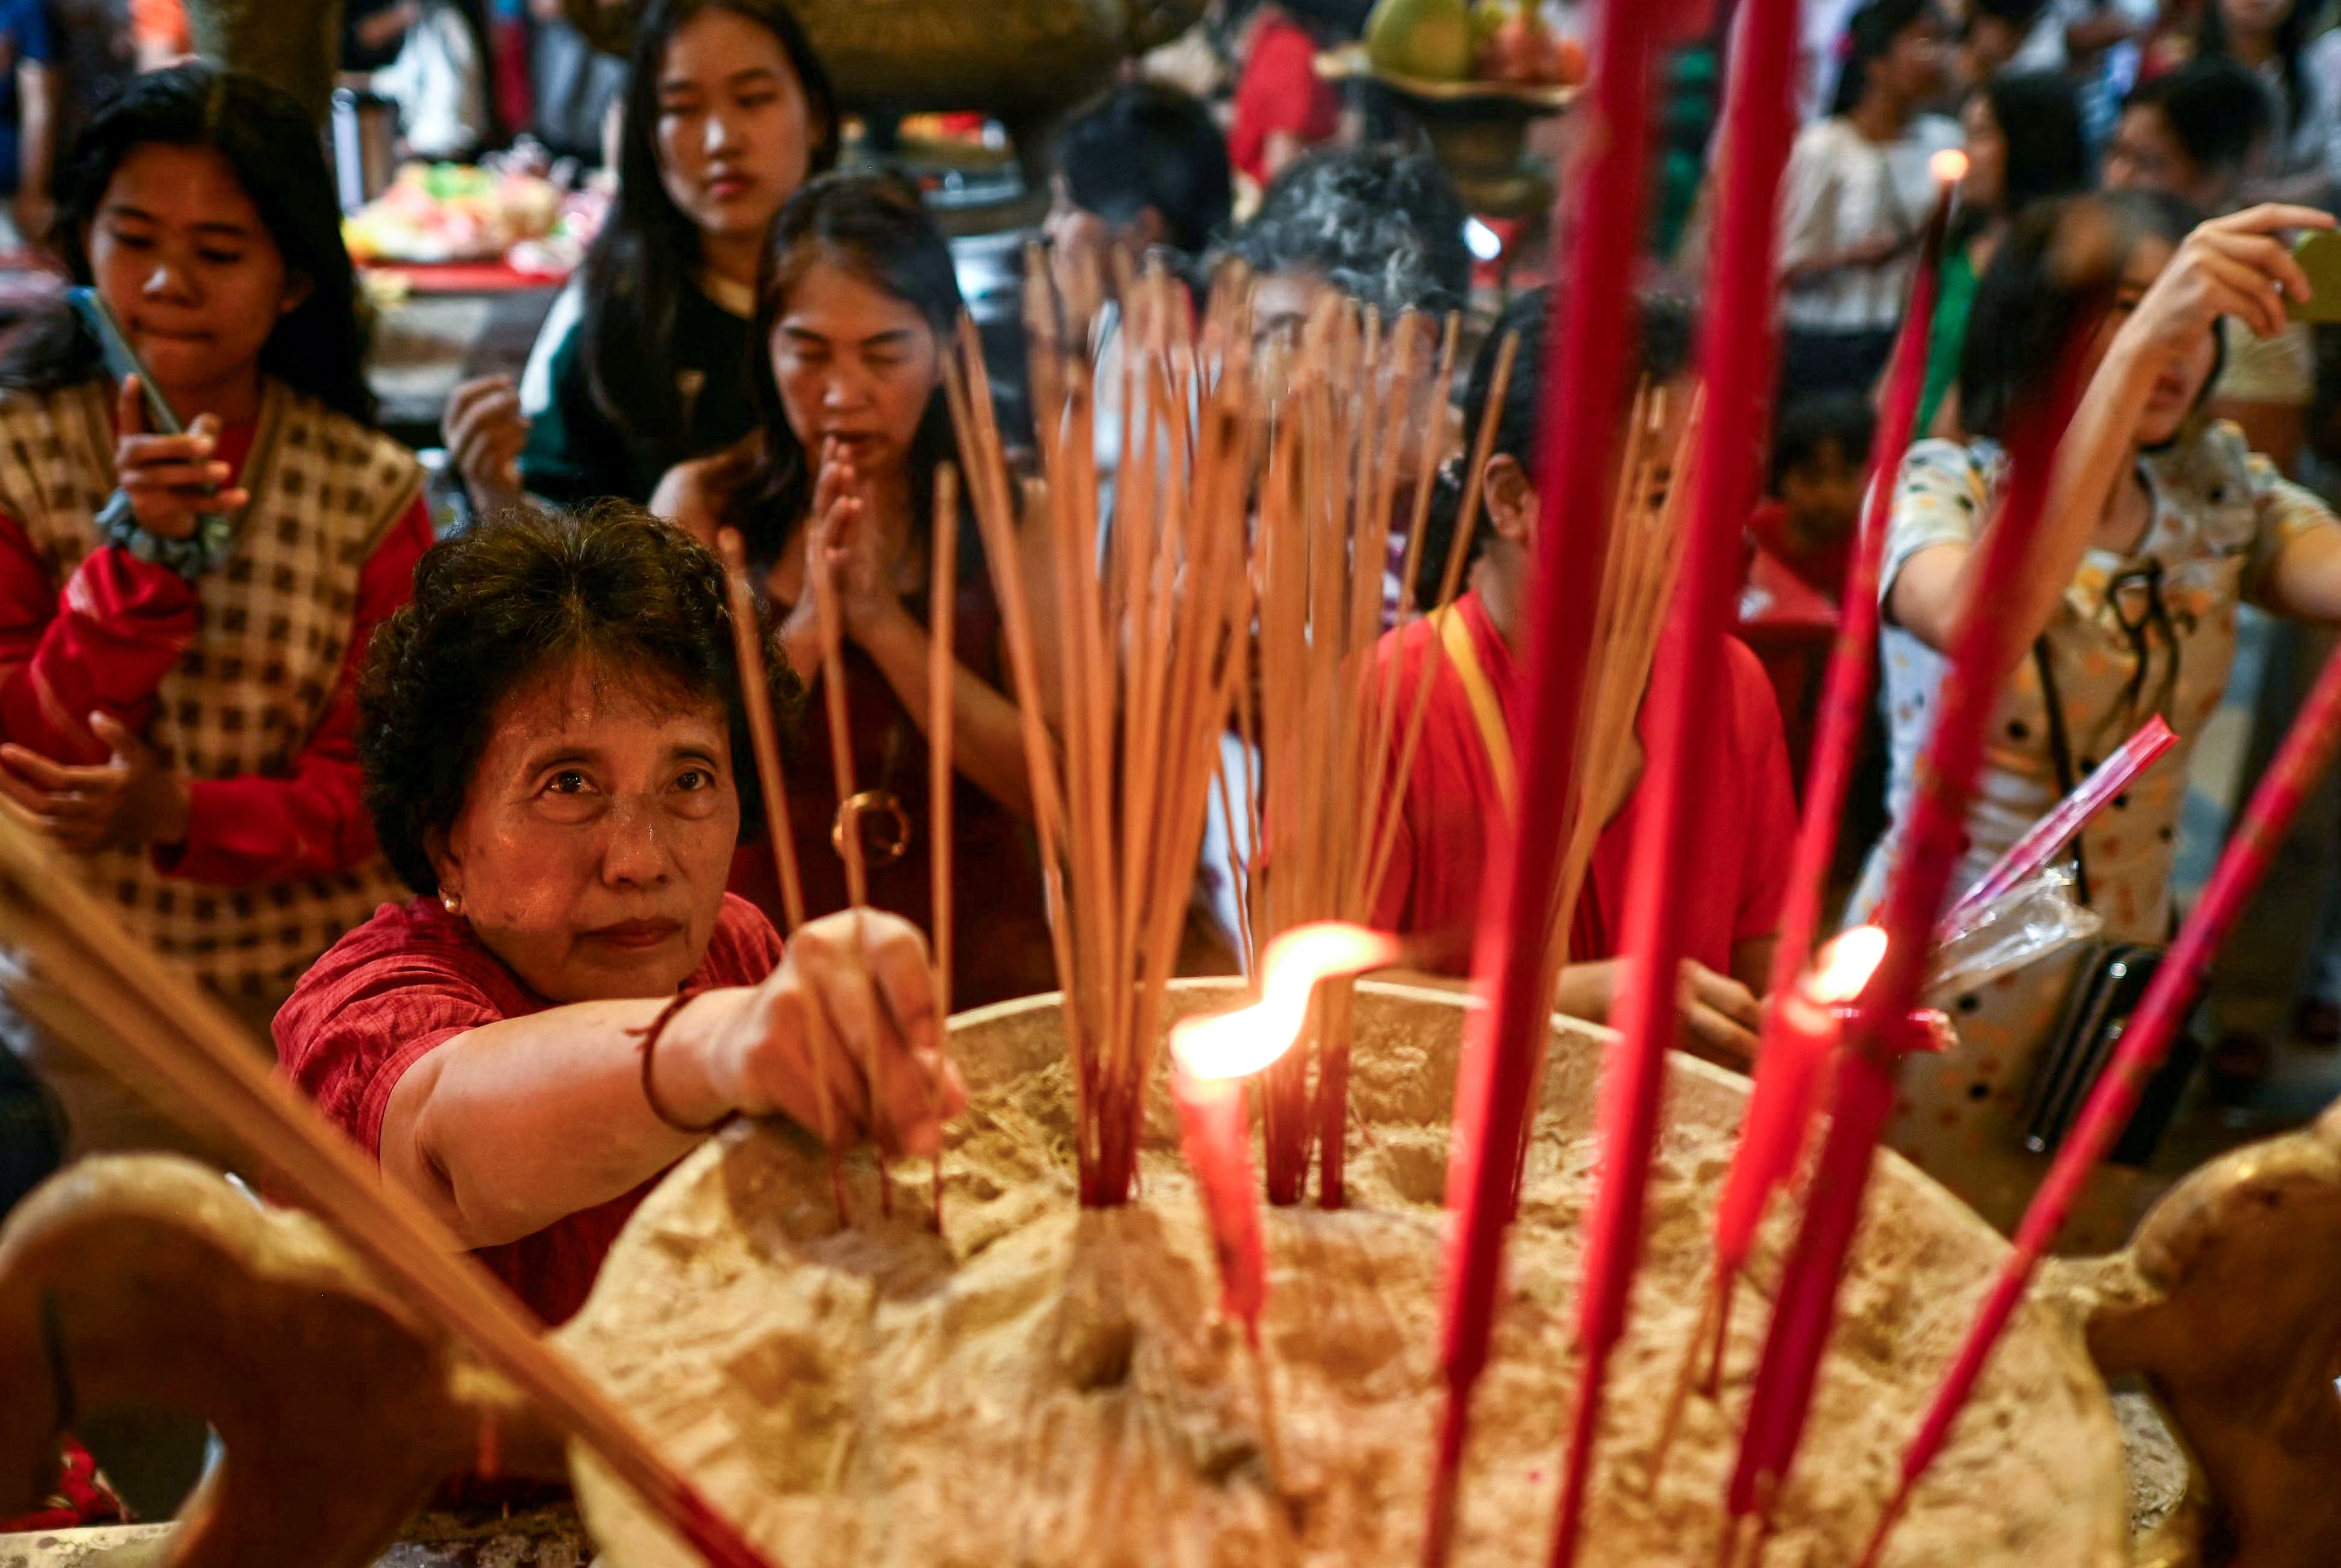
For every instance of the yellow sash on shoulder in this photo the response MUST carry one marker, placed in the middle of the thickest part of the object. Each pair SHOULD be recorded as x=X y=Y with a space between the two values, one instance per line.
x=1486 y=709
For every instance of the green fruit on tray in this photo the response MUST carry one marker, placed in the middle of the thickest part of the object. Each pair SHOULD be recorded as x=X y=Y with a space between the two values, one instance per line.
x=1431 y=39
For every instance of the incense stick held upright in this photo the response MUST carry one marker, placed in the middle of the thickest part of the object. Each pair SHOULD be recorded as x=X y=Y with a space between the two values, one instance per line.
x=1983 y=654
x=1593 y=335
x=756 y=695
x=1737 y=357
x=1782 y=1107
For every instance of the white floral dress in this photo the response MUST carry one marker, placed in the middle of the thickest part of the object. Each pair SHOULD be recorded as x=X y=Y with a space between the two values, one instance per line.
x=2153 y=631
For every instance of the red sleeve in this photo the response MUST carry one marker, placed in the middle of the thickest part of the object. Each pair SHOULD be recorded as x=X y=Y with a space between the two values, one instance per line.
x=1280 y=90
x=259 y=828
x=122 y=624
x=379 y=1001
x=744 y=950
x=1768 y=829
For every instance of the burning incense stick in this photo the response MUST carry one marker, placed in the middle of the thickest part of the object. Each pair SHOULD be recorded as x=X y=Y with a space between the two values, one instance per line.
x=747 y=649
x=1768 y=1152
x=1500 y=1057
x=2307 y=751
x=1983 y=654
x=153 y=1027
x=1737 y=354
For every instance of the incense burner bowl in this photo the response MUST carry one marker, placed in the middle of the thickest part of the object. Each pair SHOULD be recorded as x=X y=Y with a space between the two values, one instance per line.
x=1044 y=1384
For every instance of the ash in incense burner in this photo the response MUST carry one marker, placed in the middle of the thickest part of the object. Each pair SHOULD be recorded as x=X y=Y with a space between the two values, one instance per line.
x=1046 y=1384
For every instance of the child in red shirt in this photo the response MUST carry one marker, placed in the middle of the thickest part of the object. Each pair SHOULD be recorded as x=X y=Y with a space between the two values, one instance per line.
x=1461 y=787
x=1800 y=540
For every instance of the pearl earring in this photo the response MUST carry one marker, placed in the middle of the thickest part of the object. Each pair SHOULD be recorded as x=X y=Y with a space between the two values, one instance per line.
x=452 y=902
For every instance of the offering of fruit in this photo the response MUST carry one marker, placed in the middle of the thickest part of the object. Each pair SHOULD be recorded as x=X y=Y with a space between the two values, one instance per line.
x=451 y=212
x=1431 y=39
x=1518 y=47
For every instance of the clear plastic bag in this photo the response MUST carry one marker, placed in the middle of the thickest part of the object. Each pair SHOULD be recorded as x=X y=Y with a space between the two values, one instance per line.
x=2037 y=917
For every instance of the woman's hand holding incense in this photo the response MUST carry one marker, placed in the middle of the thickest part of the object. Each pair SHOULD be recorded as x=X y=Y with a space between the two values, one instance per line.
x=876 y=1050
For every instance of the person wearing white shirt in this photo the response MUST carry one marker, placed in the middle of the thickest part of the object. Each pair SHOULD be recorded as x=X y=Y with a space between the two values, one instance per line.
x=1857 y=193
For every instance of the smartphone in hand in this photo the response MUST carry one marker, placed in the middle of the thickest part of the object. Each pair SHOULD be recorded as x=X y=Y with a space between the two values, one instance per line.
x=121 y=361
x=2318 y=251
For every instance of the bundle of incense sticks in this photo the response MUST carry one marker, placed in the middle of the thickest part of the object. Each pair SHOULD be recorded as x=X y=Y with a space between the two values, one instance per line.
x=1134 y=669
x=149 y=1025
x=1638 y=575
x=1322 y=716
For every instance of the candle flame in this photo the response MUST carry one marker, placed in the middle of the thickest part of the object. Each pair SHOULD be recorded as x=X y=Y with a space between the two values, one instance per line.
x=1236 y=1043
x=1949 y=165
x=1844 y=967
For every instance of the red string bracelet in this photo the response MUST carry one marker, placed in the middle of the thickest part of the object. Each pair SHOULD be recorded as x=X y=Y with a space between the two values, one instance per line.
x=649 y=1054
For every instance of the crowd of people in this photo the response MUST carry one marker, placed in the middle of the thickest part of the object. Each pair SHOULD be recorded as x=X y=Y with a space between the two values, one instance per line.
x=466 y=826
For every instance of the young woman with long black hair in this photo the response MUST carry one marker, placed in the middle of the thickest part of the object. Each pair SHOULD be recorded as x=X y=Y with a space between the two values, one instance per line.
x=2160 y=522
x=856 y=309
x=2024 y=144
x=646 y=359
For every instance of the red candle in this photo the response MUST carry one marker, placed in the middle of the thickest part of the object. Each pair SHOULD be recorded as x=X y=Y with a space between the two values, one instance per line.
x=1800 y=1036
x=1983 y=652
x=2307 y=752
x=1738 y=361
x=1211 y=1056
x=1215 y=1136
x=1589 y=353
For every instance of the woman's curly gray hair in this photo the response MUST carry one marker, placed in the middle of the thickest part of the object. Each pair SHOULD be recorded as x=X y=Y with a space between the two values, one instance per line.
x=1384 y=227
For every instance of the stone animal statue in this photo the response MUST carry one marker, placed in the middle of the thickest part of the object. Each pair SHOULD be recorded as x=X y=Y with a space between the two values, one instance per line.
x=2228 y=1305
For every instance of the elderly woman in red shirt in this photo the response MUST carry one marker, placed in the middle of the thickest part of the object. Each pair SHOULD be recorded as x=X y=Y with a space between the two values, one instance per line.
x=1459 y=787
x=551 y=734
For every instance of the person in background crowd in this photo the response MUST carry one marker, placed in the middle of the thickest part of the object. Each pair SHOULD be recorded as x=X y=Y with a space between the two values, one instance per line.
x=860 y=302
x=571 y=1001
x=1856 y=196
x=1140 y=170
x=1800 y=541
x=1812 y=493
x=30 y=106
x=2303 y=80
x=1282 y=106
x=160 y=34
x=2158 y=524
x=176 y=708
x=2194 y=132
x=2024 y=143
x=646 y=359
x=1457 y=795
x=95 y=58
x=1381 y=226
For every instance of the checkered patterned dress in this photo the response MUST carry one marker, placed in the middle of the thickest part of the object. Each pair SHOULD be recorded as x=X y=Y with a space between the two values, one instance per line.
x=273 y=631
